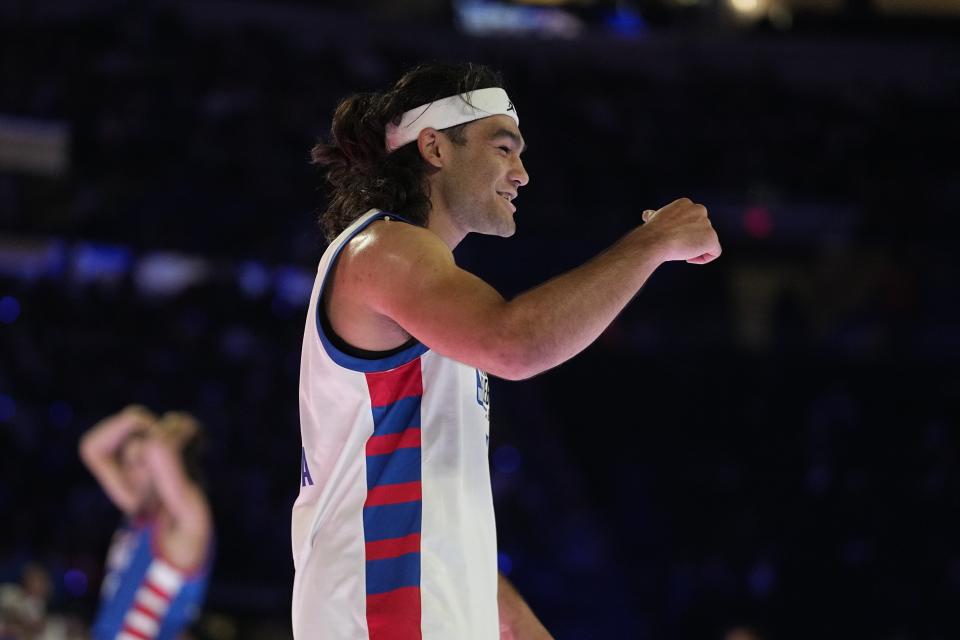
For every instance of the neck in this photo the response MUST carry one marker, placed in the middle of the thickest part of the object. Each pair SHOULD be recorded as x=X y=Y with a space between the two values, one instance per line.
x=441 y=222
x=444 y=227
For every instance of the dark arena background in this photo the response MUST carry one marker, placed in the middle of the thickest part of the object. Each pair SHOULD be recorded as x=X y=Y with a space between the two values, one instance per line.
x=763 y=448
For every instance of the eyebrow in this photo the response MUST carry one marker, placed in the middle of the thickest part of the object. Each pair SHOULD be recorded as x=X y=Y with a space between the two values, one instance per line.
x=506 y=133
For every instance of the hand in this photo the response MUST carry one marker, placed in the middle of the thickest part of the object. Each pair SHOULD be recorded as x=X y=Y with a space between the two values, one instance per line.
x=174 y=429
x=683 y=232
x=138 y=417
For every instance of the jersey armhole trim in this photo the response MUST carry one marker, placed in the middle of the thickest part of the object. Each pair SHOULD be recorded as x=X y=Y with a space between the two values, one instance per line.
x=346 y=360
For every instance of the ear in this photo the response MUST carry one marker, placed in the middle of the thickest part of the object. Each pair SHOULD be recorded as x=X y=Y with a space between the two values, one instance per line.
x=432 y=147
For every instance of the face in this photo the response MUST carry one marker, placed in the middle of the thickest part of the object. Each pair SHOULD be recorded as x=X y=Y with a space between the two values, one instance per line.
x=36 y=582
x=134 y=470
x=484 y=176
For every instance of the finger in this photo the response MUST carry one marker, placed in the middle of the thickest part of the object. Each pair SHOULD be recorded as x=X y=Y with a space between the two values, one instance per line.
x=703 y=259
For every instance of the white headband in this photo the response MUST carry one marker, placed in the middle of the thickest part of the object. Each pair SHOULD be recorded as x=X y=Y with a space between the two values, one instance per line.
x=449 y=112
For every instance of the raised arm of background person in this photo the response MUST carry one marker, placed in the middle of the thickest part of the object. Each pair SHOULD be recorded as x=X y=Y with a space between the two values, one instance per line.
x=517 y=620
x=186 y=541
x=407 y=274
x=99 y=447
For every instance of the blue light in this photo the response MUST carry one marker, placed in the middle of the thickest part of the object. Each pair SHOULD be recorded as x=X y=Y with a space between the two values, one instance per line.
x=95 y=262
x=76 y=582
x=8 y=408
x=294 y=286
x=254 y=279
x=506 y=459
x=504 y=563
x=61 y=414
x=626 y=22
x=9 y=309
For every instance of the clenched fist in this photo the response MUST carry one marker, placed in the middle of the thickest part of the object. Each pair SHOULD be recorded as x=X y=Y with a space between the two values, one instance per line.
x=682 y=231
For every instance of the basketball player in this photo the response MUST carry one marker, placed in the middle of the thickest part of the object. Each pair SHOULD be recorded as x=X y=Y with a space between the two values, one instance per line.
x=159 y=561
x=393 y=529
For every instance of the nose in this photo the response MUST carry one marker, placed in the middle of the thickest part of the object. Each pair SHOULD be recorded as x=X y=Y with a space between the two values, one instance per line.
x=518 y=174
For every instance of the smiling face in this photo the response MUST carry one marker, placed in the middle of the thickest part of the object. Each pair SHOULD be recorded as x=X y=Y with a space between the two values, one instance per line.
x=483 y=179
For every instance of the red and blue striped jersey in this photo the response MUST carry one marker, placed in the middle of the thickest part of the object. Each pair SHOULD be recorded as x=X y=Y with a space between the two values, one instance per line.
x=393 y=530
x=144 y=596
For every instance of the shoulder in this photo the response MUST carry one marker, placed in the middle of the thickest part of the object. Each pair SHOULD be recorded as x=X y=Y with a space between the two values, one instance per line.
x=392 y=248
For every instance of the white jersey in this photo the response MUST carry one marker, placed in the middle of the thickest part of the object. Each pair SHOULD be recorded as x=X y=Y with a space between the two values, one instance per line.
x=393 y=531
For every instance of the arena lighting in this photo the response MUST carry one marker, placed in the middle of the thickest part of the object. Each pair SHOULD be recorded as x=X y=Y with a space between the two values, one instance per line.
x=490 y=17
x=749 y=8
x=34 y=145
x=556 y=3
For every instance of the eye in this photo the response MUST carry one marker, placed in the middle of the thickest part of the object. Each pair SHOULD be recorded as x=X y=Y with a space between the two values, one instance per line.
x=504 y=149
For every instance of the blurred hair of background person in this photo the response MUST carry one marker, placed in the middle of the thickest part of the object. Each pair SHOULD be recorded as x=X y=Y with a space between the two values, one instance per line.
x=160 y=558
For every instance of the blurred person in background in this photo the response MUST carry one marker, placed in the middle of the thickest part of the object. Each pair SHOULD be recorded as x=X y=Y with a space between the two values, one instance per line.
x=393 y=530
x=23 y=607
x=25 y=610
x=160 y=558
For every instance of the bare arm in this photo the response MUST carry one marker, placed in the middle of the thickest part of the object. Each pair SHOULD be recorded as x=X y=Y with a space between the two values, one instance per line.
x=99 y=447
x=179 y=495
x=517 y=620
x=408 y=275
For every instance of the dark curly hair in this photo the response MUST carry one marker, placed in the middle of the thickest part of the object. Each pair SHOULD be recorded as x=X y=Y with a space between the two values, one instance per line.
x=360 y=172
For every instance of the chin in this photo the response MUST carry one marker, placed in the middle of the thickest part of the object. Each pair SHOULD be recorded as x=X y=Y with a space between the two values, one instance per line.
x=502 y=228
x=494 y=221
x=502 y=224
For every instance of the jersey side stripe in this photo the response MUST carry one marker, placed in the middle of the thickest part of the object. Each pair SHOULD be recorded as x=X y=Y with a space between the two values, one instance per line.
x=394 y=494
x=394 y=615
x=397 y=416
x=403 y=465
x=386 y=444
x=142 y=623
x=393 y=547
x=151 y=601
x=391 y=520
x=388 y=387
x=164 y=576
x=393 y=573
x=392 y=512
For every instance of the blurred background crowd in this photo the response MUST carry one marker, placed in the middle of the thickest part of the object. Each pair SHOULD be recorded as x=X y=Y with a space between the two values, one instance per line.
x=764 y=448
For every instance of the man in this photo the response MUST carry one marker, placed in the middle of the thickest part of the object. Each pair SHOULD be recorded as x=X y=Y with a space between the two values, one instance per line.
x=393 y=530
x=159 y=561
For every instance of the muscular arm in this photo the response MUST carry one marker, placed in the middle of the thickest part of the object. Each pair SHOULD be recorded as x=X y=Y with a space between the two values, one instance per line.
x=408 y=275
x=99 y=447
x=560 y=318
x=517 y=620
